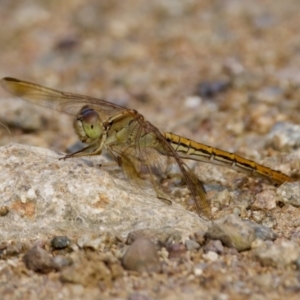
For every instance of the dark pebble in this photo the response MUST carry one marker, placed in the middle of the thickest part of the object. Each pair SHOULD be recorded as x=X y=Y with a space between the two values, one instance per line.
x=210 y=89
x=60 y=242
x=39 y=260
x=4 y=210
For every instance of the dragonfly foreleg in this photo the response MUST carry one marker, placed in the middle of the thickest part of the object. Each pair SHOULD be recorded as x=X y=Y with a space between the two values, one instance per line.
x=85 y=151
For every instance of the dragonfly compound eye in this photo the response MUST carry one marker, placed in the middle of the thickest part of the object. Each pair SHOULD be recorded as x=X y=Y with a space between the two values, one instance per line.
x=91 y=123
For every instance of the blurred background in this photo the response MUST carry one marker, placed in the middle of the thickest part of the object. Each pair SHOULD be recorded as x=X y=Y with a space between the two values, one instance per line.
x=221 y=72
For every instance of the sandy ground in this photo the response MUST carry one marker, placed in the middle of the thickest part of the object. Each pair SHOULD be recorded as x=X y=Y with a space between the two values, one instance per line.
x=224 y=73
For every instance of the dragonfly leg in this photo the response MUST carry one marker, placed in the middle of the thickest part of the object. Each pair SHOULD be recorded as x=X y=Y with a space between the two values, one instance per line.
x=117 y=160
x=161 y=196
x=83 y=152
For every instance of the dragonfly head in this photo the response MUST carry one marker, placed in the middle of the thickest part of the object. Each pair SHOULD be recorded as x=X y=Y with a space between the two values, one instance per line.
x=88 y=125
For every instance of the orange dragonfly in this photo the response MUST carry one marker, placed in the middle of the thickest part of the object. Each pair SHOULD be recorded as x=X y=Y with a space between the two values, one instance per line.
x=135 y=144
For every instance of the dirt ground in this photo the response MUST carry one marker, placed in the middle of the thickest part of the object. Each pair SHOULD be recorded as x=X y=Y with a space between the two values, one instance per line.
x=224 y=73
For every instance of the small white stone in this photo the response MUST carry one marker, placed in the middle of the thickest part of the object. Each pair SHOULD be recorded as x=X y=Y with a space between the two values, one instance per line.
x=31 y=194
x=192 y=101
x=210 y=256
x=198 y=271
x=23 y=199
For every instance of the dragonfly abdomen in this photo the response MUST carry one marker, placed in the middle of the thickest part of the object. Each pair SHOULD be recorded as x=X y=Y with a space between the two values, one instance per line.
x=189 y=149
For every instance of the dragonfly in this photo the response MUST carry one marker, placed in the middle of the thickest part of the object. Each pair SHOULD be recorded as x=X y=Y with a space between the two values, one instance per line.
x=135 y=144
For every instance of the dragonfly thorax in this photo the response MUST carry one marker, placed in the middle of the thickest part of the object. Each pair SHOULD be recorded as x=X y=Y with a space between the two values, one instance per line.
x=88 y=125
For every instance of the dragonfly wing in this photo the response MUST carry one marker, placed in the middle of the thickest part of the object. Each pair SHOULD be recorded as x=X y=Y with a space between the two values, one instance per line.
x=161 y=146
x=65 y=102
x=137 y=167
x=148 y=151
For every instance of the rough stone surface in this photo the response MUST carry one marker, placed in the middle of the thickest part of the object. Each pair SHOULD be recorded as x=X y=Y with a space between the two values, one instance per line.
x=47 y=195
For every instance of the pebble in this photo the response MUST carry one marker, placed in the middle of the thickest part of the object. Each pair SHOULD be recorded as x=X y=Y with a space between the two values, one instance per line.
x=281 y=254
x=60 y=262
x=191 y=245
x=211 y=89
x=233 y=232
x=270 y=222
x=263 y=232
x=236 y=233
x=176 y=250
x=210 y=256
x=67 y=43
x=60 y=242
x=258 y=216
x=288 y=193
x=266 y=200
x=4 y=210
x=142 y=256
x=215 y=246
x=39 y=260
x=222 y=199
x=269 y=94
x=199 y=268
x=284 y=136
x=192 y=102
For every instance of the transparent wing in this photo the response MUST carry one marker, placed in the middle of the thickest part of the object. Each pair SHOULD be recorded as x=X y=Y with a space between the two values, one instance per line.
x=65 y=102
x=141 y=166
x=147 y=151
